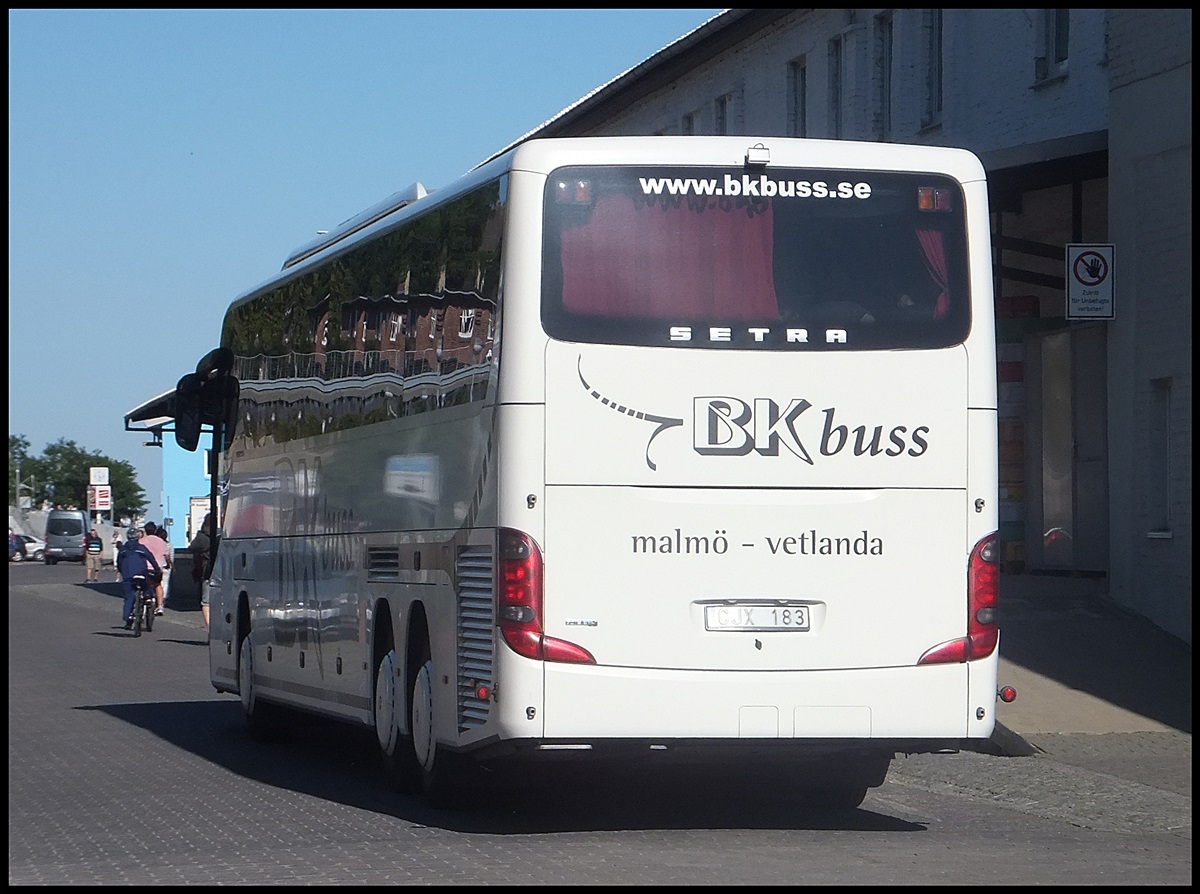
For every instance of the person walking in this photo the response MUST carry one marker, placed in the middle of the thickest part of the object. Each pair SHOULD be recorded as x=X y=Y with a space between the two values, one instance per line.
x=93 y=558
x=166 y=584
x=116 y=556
x=16 y=545
x=162 y=557
x=200 y=548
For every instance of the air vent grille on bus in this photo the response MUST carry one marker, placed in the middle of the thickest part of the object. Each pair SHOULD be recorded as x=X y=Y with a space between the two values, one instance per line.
x=383 y=562
x=476 y=646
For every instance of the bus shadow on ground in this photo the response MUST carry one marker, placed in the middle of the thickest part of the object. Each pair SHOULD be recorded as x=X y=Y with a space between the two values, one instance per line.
x=340 y=763
x=1063 y=630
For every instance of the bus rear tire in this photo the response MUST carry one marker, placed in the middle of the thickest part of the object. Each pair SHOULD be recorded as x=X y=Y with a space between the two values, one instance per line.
x=842 y=784
x=400 y=767
x=846 y=796
x=440 y=772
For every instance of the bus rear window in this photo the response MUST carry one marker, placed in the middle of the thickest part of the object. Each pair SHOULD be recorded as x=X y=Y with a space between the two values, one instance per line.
x=691 y=257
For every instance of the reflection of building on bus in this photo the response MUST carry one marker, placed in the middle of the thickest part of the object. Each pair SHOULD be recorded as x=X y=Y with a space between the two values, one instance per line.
x=428 y=529
x=394 y=355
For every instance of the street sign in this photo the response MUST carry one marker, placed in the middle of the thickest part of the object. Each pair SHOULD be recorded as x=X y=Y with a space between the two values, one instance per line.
x=1089 y=277
x=98 y=475
x=100 y=498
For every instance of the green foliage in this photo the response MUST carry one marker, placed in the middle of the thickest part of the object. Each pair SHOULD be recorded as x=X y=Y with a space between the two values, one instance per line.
x=18 y=465
x=60 y=476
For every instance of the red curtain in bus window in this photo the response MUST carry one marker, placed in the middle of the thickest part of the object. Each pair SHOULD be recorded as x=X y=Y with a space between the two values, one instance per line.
x=934 y=252
x=670 y=263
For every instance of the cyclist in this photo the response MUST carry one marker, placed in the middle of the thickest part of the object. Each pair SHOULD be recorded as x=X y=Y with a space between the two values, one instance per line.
x=134 y=559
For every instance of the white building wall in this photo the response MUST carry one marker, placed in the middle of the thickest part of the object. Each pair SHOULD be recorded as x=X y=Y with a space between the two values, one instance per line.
x=1150 y=194
x=991 y=99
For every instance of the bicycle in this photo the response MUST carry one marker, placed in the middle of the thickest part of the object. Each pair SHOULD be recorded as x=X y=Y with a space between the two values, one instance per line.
x=144 y=604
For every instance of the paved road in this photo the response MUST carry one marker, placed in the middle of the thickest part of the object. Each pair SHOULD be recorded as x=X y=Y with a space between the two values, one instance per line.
x=126 y=768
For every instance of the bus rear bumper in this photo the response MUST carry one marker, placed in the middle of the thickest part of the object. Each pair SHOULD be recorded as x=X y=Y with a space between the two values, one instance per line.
x=938 y=702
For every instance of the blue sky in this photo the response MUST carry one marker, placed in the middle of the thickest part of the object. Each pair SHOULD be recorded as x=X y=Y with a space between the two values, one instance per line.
x=161 y=162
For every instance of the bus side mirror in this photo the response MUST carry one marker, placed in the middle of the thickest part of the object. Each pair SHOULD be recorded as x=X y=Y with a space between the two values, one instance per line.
x=187 y=412
x=209 y=396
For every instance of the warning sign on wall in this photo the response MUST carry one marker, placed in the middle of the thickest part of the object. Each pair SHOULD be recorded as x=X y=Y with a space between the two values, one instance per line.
x=1090 y=282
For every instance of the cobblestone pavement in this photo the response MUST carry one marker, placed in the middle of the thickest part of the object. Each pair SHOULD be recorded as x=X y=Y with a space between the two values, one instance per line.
x=1118 y=782
x=126 y=768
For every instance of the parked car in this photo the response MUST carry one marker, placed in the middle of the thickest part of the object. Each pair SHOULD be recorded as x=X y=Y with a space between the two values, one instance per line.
x=35 y=549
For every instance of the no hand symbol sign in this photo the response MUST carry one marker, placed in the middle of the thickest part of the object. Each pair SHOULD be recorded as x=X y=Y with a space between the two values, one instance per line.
x=1090 y=282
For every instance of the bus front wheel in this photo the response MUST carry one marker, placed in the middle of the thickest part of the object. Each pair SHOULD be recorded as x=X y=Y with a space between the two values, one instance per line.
x=261 y=720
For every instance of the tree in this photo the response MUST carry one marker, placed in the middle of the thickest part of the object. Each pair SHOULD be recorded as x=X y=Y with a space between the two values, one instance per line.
x=60 y=475
x=18 y=467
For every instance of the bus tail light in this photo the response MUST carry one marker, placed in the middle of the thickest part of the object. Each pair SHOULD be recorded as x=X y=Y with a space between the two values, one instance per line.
x=519 y=603
x=983 y=627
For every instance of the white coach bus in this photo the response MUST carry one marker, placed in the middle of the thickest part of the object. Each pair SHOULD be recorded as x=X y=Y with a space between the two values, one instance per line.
x=626 y=446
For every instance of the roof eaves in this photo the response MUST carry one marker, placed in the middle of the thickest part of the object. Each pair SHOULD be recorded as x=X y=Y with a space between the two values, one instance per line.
x=680 y=45
x=153 y=413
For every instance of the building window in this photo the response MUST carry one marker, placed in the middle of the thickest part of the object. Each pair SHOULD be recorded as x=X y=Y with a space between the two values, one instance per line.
x=1158 y=458
x=884 y=61
x=797 y=91
x=395 y=331
x=835 y=88
x=933 y=61
x=721 y=113
x=1056 y=35
x=466 y=323
x=687 y=124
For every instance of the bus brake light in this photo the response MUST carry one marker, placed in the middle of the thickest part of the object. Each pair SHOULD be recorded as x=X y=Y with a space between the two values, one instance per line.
x=519 y=603
x=983 y=628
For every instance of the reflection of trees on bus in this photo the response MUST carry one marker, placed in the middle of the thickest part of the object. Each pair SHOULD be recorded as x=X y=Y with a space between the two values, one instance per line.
x=399 y=326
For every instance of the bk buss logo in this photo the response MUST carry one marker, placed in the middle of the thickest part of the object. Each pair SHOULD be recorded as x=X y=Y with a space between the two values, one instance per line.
x=727 y=425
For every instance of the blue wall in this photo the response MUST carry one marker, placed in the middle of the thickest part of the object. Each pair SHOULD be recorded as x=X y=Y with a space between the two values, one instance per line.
x=183 y=476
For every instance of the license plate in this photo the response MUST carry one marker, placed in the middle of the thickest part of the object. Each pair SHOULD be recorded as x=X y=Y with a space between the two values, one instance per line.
x=755 y=617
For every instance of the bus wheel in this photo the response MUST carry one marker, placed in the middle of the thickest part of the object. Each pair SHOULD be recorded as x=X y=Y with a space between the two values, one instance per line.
x=261 y=721
x=842 y=784
x=437 y=767
x=399 y=761
x=846 y=796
